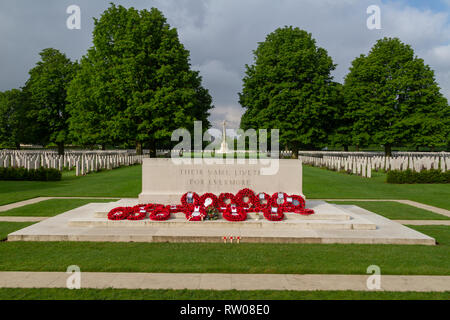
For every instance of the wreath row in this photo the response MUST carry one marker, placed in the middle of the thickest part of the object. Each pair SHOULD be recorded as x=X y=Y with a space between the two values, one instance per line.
x=233 y=207
x=245 y=198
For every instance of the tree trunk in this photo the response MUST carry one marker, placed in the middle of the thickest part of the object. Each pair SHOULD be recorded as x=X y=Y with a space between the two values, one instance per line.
x=60 y=148
x=295 y=153
x=103 y=147
x=357 y=148
x=139 y=148
x=18 y=146
x=346 y=148
x=387 y=150
x=152 y=149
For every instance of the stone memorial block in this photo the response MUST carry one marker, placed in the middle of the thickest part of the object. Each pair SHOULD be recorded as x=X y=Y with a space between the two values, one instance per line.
x=165 y=182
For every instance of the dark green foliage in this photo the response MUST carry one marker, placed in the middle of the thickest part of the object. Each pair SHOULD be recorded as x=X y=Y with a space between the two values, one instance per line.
x=424 y=176
x=47 y=91
x=22 y=174
x=14 y=126
x=289 y=87
x=393 y=99
x=135 y=85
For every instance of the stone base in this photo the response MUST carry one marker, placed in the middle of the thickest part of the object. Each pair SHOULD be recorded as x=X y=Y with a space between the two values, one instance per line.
x=330 y=224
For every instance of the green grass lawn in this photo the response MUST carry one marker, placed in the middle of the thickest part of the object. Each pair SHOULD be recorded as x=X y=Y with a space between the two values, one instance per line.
x=325 y=184
x=395 y=210
x=50 y=208
x=8 y=227
x=231 y=258
x=123 y=182
x=121 y=294
x=317 y=184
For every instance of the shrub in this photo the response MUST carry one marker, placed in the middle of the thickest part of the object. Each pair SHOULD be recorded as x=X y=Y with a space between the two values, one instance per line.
x=41 y=174
x=424 y=176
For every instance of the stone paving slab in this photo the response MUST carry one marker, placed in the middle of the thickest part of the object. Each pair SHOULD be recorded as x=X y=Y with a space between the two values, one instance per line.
x=22 y=219
x=58 y=229
x=218 y=281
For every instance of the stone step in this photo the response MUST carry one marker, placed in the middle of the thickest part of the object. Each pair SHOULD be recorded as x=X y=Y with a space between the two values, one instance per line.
x=252 y=215
x=249 y=223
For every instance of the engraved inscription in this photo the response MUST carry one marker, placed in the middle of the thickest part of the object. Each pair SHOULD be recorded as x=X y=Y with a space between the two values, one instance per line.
x=219 y=177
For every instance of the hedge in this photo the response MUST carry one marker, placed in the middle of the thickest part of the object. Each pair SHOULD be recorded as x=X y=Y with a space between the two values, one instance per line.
x=424 y=176
x=41 y=174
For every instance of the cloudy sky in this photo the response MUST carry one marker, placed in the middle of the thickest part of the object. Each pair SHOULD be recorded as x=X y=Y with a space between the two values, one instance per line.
x=221 y=35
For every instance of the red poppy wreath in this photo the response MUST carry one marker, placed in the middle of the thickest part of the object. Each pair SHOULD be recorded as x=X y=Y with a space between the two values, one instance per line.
x=234 y=213
x=119 y=213
x=274 y=213
x=138 y=212
x=160 y=214
x=190 y=198
x=208 y=199
x=245 y=198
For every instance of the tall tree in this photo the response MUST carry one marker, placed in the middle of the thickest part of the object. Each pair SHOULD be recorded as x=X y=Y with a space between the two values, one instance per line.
x=289 y=87
x=343 y=122
x=393 y=99
x=135 y=84
x=47 y=89
x=12 y=118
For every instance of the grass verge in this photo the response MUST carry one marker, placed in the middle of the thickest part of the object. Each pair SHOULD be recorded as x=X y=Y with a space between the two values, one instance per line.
x=50 y=208
x=122 y=294
x=232 y=258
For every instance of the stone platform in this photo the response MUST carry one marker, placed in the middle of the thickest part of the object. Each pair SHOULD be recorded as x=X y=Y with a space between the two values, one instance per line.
x=330 y=224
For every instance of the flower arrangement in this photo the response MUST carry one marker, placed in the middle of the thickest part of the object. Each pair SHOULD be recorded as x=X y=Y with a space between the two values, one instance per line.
x=212 y=213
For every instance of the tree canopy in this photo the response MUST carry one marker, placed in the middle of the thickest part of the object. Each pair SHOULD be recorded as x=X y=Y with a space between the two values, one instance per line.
x=289 y=87
x=12 y=116
x=393 y=99
x=47 y=91
x=135 y=84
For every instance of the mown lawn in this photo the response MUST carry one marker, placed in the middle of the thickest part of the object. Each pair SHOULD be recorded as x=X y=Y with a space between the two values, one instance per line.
x=317 y=184
x=231 y=258
x=50 y=208
x=122 y=294
x=8 y=227
x=120 y=183
x=324 y=184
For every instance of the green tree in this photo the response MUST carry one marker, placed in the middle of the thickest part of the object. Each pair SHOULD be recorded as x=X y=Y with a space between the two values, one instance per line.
x=343 y=121
x=135 y=84
x=15 y=125
x=10 y=116
x=393 y=99
x=47 y=89
x=289 y=87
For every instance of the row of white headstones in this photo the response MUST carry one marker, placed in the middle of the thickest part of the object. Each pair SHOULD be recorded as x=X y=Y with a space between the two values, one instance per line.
x=363 y=166
x=83 y=163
